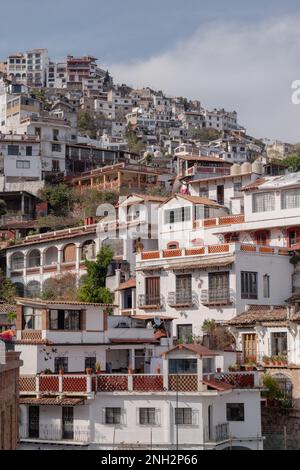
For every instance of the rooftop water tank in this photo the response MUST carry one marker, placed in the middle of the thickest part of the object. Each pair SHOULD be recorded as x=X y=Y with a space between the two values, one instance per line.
x=257 y=167
x=246 y=167
x=235 y=169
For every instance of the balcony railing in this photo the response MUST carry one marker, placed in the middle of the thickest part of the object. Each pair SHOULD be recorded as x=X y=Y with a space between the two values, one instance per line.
x=218 y=433
x=150 y=301
x=217 y=296
x=182 y=299
x=49 y=432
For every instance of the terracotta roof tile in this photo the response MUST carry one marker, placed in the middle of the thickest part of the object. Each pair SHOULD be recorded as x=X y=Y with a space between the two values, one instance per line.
x=196 y=348
x=127 y=284
x=52 y=401
x=264 y=313
x=218 y=385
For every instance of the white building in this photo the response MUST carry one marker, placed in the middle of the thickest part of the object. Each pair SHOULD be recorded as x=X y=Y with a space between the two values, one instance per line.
x=160 y=398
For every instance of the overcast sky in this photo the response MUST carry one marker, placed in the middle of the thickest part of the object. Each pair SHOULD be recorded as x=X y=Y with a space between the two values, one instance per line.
x=228 y=53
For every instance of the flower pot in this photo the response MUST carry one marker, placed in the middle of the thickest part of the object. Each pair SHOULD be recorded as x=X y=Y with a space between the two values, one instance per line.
x=61 y=372
x=88 y=371
x=130 y=370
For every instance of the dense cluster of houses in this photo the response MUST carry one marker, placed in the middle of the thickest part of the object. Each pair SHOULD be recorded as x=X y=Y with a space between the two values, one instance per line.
x=219 y=249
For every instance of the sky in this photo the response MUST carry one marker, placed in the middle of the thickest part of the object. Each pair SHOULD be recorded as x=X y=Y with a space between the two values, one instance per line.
x=230 y=54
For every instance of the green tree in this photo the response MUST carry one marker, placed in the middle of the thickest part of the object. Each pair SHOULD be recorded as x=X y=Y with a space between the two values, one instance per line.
x=61 y=287
x=135 y=144
x=292 y=162
x=60 y=199
x=206 y=135
x=7 y=289
x=87 y=123
x=93 y=288
x=88 y=201
x=2 y=207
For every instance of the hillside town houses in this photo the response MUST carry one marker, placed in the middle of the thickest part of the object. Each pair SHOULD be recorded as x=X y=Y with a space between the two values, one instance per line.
x=203 y=280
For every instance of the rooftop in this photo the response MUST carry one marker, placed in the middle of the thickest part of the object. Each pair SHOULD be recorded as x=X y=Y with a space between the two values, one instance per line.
x=265 y=314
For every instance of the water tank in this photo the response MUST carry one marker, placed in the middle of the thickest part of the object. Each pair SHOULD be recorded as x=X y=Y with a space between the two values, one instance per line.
x=235 y=169
x=246 y=167
x=257 y=167
x=157 y=154
x=146 y=154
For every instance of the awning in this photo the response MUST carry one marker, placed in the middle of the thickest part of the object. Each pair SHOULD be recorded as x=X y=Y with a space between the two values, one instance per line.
x=53 y=401
x=203 y=264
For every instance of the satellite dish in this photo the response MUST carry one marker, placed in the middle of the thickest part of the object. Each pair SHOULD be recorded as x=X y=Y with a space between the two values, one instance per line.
x=157 y=321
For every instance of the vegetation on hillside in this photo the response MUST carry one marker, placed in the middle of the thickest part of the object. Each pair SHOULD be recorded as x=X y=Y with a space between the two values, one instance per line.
x=93 y=287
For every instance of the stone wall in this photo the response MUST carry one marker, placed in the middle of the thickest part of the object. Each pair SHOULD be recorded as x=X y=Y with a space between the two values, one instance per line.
x=281 y=428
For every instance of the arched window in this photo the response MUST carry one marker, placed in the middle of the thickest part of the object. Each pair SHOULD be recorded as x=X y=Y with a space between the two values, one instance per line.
x=33 y=289
x=88 y=250
x=51 y=256
x=232 y=237
x=17 y=261
x=34 y=259
x=69 y=253
x=19 y=289
x=285 y=385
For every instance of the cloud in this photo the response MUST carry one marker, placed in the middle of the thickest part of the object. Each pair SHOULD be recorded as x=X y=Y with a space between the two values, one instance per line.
x=249 y=68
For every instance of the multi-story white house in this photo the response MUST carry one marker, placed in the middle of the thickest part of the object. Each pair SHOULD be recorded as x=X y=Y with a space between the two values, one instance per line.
x=96 y=381
x=29 y=67
x=194 y=277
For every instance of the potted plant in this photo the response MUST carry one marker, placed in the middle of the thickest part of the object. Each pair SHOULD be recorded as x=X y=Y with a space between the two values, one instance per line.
x=233 y=368
x=130 y=370
x=88 y=371
x=61 y=370
x=265 y=360
x=98 y=367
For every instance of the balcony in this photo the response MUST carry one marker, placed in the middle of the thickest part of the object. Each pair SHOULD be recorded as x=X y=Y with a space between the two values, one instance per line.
x=150 y=302
x=182 y=299
x=217 y=297
x=217 y=434
x=49 y=432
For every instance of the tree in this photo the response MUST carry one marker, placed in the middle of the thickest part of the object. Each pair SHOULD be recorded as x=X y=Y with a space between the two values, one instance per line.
x=54 y=222
x=87 y=123
x=60 y=288
x=292 y=162
x=93 y=288
x=206 y=135
x=88 y=201
x=135 y=144
x=7 y=289
x=2 y=207
x=60 y=199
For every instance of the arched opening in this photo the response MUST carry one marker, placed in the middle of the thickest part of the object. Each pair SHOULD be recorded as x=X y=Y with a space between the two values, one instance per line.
x=34 y=259
x=286 y=386
x=51 y=256
x=88 y=250
x=20 y=290
x=17 y=261
x=69 y=253
x=33 y=289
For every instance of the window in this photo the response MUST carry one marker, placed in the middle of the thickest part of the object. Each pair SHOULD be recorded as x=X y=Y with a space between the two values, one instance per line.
x=55 y=165
x=249 y=346
x=29 y=151
x=90 y=363
x=235 y=411
x=60 y=363
x=56 y=148
x=279 y=344
x=31 y=318
x=184 y=332
x=182 y=366
x=237 y=186
x=13 y=150
x=152 y=291
x=203 y=192
x=65 y=320
x=181 y=214
x=183 y=288
x=55 y=134
x=201 y=212
x=23 y=164
x=290 y=198
x=218 y=287
x=249 y=285
x=112 y=415
x=147 y=416
x=263 y=202
x=266 y=286
x=262 y=237
x=184 y=416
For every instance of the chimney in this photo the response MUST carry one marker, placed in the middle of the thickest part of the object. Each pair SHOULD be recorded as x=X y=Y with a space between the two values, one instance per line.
x=89 y=221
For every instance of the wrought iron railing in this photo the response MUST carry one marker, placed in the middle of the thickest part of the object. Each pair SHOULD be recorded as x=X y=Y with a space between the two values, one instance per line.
x=146 y=300
x=218 y=433
x=49 y=432
x=182 y=298
x=216 y=296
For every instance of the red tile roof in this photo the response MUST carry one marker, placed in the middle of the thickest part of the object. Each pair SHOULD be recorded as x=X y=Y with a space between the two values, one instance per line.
x=220 y=386
x=127 y=284
x=264 y=313
x=195 y=348
x=53 y=401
